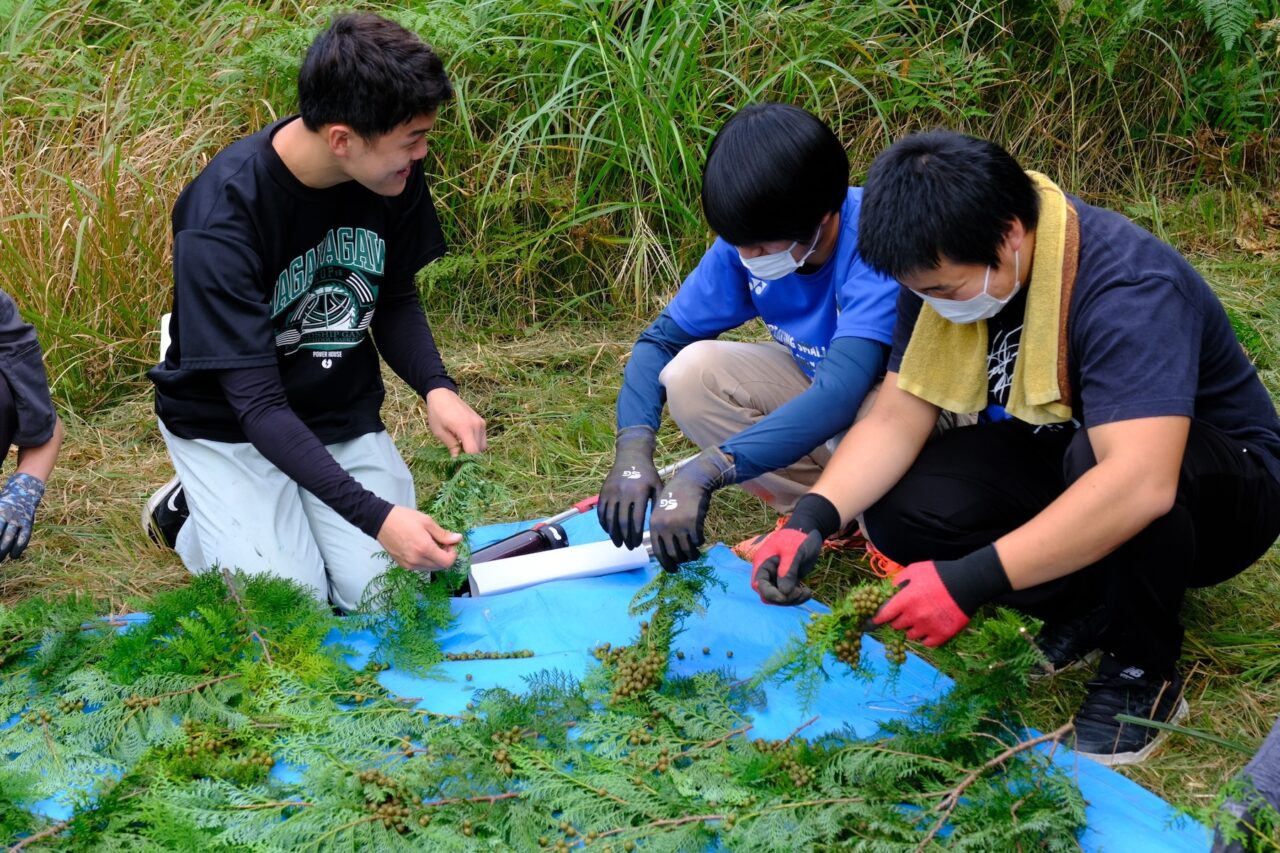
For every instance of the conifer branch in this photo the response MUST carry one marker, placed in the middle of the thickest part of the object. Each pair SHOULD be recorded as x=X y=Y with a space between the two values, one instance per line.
x=573 y=780
x=284 y=804
x=663 y=823
x=233 y=592
x=487 y=798
x=802 y=804
x=315 y=842
x=798 y=729
x=40 y=836
x=196 y=688
x=952 y=799
x=741 y=730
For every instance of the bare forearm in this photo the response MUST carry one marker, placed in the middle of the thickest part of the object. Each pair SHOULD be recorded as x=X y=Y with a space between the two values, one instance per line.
x=1134 y=482
x=877 y=451
x=1096 y=515
x=38 y=461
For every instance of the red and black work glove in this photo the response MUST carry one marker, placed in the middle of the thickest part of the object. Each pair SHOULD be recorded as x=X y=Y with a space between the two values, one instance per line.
x=675 y=525
x=631 y=484
x=936 y=598
x=786 y=556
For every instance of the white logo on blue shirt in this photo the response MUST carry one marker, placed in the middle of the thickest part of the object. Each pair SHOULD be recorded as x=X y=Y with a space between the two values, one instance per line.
x=758 y=286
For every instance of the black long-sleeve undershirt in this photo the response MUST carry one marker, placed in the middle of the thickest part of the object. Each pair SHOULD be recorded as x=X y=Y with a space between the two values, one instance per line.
x=257 y=396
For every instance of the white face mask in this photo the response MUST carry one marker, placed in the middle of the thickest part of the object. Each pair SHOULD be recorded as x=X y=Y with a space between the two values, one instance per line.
x=779 y=264
x=984 y=306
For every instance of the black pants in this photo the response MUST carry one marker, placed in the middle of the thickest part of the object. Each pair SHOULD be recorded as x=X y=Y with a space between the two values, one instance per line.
x=975 y=484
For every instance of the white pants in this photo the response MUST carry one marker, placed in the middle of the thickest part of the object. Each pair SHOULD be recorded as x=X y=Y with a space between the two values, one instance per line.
x=247 y=514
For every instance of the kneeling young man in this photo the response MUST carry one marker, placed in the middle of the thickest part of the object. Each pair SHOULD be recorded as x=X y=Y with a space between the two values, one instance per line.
x=776 y=191
x=295 y=252
x=1127 y=449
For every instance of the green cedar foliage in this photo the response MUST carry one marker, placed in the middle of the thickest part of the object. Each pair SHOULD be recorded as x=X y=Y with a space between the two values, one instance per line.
x=165 y=737
x=420 y=600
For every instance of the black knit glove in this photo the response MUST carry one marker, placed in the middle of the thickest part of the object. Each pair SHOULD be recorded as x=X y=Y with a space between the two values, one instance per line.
x=631 y=484
x=675 y=528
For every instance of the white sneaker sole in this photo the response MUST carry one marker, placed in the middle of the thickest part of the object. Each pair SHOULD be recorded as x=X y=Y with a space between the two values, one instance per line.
x=1116 y=759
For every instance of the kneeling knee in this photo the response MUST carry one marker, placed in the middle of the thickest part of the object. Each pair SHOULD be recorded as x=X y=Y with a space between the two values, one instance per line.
x=684 y=377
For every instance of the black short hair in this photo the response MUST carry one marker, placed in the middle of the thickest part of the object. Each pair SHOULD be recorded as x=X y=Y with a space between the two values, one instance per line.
x=371 y=74
x=941 y=194
x=772 y=171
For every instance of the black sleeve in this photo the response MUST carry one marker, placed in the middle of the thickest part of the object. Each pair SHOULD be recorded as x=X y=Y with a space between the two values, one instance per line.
x=256 y=395
x=223 y=315
x=416 y=238
x=23 y=369
x=405 y=342
x=908 y=311
x=641 y=397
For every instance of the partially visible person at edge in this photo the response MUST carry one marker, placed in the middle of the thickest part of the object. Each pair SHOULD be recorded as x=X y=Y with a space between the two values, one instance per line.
x=1127 y=450
x=27 y=421
x=1249 y=816
x=776 y=191
x=290 y=248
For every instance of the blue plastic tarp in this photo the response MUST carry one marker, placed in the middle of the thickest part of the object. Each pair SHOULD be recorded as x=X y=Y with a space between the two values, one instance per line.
x=562 y=622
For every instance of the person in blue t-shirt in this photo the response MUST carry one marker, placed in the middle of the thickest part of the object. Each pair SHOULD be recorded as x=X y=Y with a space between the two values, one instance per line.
x=776 y=190
x=1137 y=452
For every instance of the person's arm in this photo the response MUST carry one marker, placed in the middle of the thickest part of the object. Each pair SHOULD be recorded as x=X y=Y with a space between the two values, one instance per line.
x=633 y=481
x=257 y=397
x=21 y=494
x=877 y=451
x=874 y=455
x=830 y=404
x=642 y=397
x=1134 y=482
x=404 y=340
x=38 y=461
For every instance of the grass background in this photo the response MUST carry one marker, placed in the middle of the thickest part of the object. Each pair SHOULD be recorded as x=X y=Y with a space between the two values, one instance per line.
x=567 y=174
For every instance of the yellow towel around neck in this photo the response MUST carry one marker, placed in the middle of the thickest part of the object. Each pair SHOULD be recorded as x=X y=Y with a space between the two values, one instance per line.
x=946 y=363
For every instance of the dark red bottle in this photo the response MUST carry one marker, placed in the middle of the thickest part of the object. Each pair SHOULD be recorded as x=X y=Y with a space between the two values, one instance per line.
x=544 y=538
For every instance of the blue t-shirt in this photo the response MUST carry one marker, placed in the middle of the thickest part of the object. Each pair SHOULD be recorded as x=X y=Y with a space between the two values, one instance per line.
x=1146 y=337
x=844 y=298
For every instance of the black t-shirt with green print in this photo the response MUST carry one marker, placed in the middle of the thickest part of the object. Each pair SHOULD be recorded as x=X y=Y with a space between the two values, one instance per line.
x=270 y=271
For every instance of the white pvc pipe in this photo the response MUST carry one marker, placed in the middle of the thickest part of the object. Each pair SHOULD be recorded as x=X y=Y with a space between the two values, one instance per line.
x=574 y=561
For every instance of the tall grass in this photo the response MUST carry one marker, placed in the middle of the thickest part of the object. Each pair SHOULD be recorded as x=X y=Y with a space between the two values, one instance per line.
x=569 y=165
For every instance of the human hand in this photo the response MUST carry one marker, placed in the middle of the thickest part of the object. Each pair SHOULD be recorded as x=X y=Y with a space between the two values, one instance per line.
x=936 y=598
x=781 y=563
x=631 y=484
x=675 y=527
x=415 y=541
x=922 y=607
x=18 y=502
x=455 y=423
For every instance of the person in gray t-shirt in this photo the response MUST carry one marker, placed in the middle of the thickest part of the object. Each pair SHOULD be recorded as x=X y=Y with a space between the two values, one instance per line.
x=27 y=420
